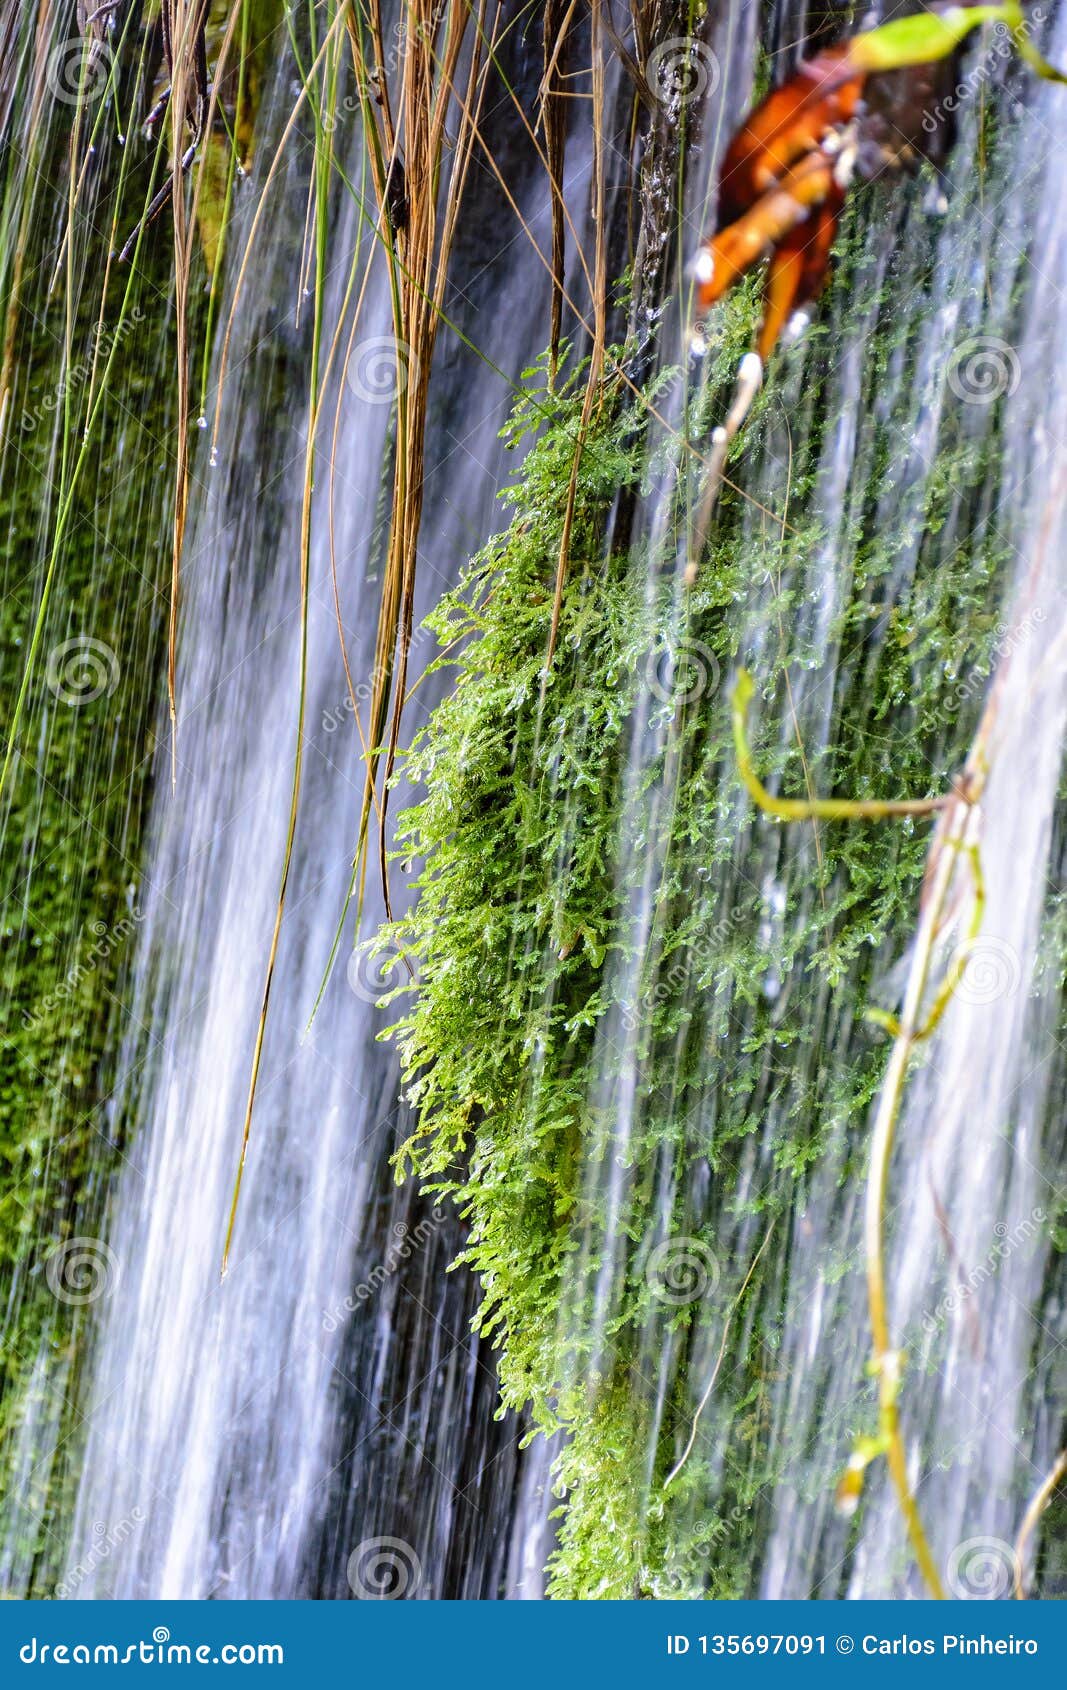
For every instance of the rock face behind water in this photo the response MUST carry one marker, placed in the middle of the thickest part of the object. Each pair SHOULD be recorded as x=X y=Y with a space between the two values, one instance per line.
x=692 y=1129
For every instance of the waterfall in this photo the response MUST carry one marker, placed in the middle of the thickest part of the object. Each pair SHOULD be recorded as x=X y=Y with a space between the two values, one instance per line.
x=274 y=1434
x=968 y=300
x=324 y=1421
x=973 y=1177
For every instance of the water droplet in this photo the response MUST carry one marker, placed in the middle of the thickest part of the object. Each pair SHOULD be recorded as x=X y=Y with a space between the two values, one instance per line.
x=201 y=422
x=213 y=460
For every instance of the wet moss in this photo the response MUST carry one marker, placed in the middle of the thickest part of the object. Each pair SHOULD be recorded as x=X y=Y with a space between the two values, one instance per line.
x=72 y=819
x=734 y=996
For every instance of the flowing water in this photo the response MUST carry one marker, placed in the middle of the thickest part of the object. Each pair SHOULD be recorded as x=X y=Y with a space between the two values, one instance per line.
x=261 y=1431
x=975 y=1173
x=974 y=1178
x=322 y=1422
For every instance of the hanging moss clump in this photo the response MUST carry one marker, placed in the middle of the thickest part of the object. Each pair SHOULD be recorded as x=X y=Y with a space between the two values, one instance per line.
x=541 y=971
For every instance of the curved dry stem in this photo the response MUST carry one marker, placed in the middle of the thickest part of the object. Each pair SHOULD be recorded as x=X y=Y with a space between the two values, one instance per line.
x=1035 y=1508
x=887 y=1362
x=246 y=257
x=806 y=809
x=322 y=171
x=748 y=383
x=703 y=1403
x=953 y=843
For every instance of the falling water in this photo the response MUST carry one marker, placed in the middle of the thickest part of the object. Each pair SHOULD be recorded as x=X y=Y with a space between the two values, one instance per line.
x=328 y=1405
x=275 y=1434
x=973 y=1179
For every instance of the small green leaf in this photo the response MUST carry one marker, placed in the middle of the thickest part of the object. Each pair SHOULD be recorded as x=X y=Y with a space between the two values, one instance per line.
x=926 y=37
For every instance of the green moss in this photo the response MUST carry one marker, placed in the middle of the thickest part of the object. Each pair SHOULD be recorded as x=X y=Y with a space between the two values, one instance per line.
x=71 y=820
x=731 y=985
x=533 y=969
x=74 y=808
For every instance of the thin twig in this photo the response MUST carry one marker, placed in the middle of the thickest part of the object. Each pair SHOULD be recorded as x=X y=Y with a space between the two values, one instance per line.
x=1036 y=1507
x=702 y=1405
